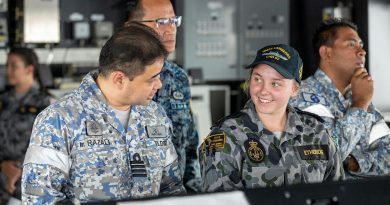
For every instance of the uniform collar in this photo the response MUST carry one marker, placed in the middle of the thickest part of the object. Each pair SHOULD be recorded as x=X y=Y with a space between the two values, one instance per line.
x=95 y=102
x=293 y=120
x=168 y=66
x=32 y=91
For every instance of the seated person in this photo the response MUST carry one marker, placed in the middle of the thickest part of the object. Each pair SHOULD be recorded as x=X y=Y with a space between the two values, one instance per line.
x=341 y=91
x=107 y=140
x=18 y=108
x=269 y=143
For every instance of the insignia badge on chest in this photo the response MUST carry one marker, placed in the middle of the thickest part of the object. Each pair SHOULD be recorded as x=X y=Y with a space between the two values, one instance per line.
x=254 y=150
x=178 y=95
x=138 y=166
x=156 y=131
x=93 y=128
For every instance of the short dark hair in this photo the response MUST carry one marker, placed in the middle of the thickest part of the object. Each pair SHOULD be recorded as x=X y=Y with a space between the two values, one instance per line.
x=28 y=56
x=136 y=12
x=130 y=49
x=327 y=31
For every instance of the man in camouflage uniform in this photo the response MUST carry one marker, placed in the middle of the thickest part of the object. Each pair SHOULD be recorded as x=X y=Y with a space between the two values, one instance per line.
x=18 y=108
x=107 y=140
x=269 y=143
x=341 y=92
x=174 y=96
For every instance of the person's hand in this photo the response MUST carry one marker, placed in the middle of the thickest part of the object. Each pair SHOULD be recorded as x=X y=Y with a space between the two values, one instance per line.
x=362 y=87
x=12 y=172
x=352 y=164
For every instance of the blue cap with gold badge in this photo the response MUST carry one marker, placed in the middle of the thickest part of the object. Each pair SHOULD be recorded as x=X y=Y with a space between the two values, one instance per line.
x=283 y=58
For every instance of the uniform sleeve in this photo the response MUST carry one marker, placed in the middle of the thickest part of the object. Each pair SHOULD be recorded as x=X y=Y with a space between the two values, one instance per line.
x=353 y=126
x=171 y=182
x=220 y=157
x=352 y=134
x=356 y=126
x=191 y=176
x=46 y=166
x=373 y=151
x=185 y=139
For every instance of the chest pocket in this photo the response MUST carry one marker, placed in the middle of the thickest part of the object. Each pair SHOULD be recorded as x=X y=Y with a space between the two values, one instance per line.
x=146 y=183
x=265 y=174
x=99 y=167
x=314 y=171
x=313 y=160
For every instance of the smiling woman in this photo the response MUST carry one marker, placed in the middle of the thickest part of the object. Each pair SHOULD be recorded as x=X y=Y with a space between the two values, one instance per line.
x=269 y=143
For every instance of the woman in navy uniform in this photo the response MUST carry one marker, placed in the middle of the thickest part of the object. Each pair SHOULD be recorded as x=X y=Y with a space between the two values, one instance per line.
x=269 y=143
x=19 y=106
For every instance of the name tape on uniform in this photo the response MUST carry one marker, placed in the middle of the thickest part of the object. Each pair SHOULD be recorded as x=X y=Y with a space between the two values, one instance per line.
x=313 y=152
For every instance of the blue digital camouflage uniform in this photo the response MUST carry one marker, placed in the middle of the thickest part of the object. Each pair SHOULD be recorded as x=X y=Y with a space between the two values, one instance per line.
x=364 y=135
x=17 y=115
x=79 y=150
x=174 y=96
x=240 y=153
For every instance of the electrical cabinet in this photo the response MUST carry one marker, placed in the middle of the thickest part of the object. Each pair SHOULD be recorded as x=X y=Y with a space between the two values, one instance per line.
x=220 y=37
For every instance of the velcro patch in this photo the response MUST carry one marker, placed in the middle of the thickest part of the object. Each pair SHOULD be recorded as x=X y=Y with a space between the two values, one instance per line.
x=213 y=143
x=137 y=165
x=313 y=152
x=34 y=191
x=94 y=128
x=156 y=131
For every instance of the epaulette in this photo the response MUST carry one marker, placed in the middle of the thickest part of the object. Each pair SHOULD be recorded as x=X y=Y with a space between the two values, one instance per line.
x=317 y=117
x=223 y=119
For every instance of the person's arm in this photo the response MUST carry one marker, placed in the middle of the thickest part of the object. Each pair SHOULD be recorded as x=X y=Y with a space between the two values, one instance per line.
x=46 y=166
x=372 y=161
x=220 y=163
x=171 y=181
x=348 y=130
x=372 y=153
x=191 y=176
x=191 y=172
x=334 y=169
x=12 y=172
x=185 y=138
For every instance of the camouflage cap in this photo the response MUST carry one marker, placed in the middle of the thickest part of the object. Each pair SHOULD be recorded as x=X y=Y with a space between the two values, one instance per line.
x=283 y=58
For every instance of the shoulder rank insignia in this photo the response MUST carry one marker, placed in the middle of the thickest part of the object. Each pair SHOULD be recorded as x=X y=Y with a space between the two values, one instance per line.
x=254 y=150
x=213 y=142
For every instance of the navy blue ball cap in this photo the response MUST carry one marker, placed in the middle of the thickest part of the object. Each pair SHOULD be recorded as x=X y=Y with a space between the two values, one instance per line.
x=283 y=58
